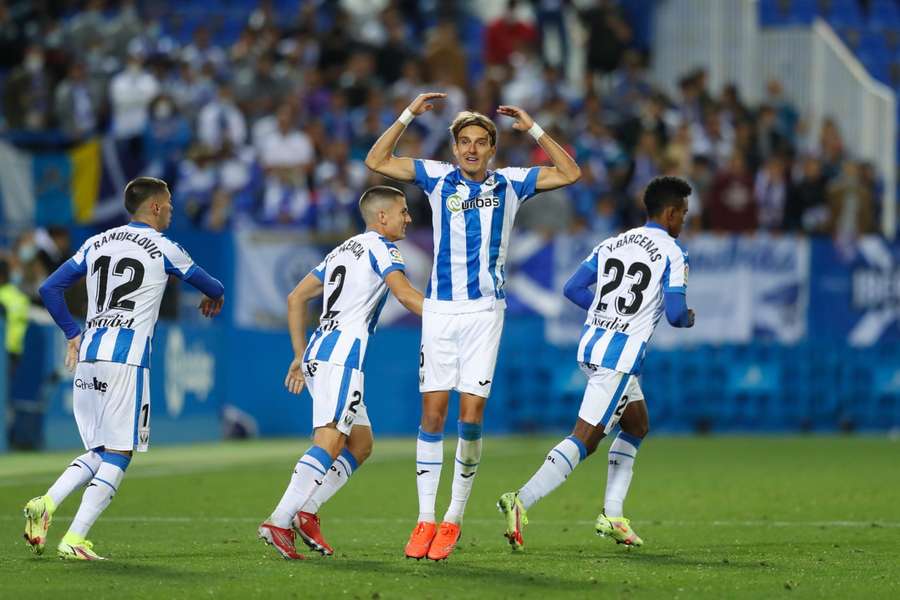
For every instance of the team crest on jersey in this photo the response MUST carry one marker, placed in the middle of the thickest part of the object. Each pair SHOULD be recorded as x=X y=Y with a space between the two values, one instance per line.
x=395 y=255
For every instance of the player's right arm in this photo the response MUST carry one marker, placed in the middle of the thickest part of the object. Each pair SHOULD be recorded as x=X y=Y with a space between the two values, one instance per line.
x=381 y=157
x=675 y=288
x=309 y=287
x=404 y=291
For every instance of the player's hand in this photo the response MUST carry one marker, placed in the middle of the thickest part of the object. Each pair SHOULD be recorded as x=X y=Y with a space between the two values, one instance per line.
x=72 y=348
x=523 y=119
x=210 y=307
x=294 y=381
x=690 y=317
x=422 y=103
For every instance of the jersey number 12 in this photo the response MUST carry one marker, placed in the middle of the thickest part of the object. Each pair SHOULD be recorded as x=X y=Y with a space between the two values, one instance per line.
x=135 y=271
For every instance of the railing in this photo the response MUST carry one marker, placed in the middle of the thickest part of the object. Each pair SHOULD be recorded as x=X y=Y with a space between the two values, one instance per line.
x=818 y=73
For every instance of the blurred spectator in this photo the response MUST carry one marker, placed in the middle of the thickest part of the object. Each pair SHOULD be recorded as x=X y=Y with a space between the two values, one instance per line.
x=77 y=104
x=444 y=56
x=190 y=89
x=14 y=305
x=806 y=209
x=286 y=155
x=831 y=148
x=731 y=207
x=713 y=138
x=27 y=93
x=391 y=56
x=220 y=123
x=202 y=52
x=123 y=27
x=608 y=36
x=166 y=138
x=852 y=210
x=550 y=17
x=11 y=39
x=507 y=34
x=770 y=192
x=630 y=84
x=86 y=25
x=131 y=92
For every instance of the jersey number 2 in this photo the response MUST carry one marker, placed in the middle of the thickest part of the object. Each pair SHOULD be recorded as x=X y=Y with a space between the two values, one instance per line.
x=338 y=275
x=135 y=280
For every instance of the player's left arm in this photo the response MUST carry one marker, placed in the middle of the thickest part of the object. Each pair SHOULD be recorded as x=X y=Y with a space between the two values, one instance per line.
x=52 y=292
x=565 y=170
x=309 y=287
x=674 y=284
x=178 y=262
x=404 y=291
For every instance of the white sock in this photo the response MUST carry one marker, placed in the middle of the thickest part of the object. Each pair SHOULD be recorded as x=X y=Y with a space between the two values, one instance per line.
x=76 y=475
x=429 y=460
x=99 y=492
x=561 y=460
x=468 y=455
x=308 y=475
x=339 y=473
x=621 y=462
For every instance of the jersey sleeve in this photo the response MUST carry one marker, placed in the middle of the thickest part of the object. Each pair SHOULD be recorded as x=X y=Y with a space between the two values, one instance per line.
x=319 y=271
x=176 y=259
x=428 y=172
x=522 y=180
x=385 y=258
x=79 y=259
x=592 y=262
x=675 y=275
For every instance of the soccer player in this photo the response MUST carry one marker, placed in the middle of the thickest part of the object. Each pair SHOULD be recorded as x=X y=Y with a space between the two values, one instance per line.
x=473 y=209
x=126 y=270
x=353 y=282
x=638 y=275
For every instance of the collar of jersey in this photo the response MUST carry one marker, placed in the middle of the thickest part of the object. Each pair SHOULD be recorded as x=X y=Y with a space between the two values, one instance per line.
x=138 y=224
x=464 y=179
x=655 y=225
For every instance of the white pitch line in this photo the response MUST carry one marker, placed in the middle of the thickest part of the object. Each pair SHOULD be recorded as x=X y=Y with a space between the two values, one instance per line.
x=557 y=522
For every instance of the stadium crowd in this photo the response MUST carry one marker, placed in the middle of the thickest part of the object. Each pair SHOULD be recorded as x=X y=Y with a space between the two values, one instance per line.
x=267 y=118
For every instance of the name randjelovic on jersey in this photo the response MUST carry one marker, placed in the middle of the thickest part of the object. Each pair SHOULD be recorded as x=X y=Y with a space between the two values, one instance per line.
x=137 y=238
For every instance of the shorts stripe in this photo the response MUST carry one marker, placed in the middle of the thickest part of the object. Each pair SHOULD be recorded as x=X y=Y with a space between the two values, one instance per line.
x=342 y=395
x=139 y=393
x=94 y=346
x=614 y=401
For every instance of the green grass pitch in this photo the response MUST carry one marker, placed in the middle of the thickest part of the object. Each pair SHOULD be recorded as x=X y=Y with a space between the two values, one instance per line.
x=721 y=517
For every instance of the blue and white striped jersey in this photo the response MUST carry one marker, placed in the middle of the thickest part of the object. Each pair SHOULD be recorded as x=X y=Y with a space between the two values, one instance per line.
x=472 y=225
x=354 y=295
x=127 y=269
x=634 y=270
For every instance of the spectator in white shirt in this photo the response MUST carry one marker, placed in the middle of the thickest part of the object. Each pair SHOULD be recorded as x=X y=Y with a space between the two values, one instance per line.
x=220 y=123
x=286 y=155
x=131 y=92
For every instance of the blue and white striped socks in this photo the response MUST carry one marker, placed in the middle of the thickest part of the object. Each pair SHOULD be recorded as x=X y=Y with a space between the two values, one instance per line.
x=561 y=460
x=468 y=455
x=308 y=475
x=77 y=474
x=338 y=475
x=100 y=492
x=622 y=453
x=429 y=460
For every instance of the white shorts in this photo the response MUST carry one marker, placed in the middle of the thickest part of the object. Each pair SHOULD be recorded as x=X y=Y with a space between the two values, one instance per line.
x=337 y=393
x=459 y=351
x=111 y=402
x=607 y=394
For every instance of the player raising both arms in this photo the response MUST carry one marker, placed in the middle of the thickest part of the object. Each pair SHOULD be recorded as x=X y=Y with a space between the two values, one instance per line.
x=127 y=269
x=353 y=282
x=473 y=210
x=638 y=275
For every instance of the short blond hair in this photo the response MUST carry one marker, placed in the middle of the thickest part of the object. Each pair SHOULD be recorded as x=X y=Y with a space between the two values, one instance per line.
x=469 y=117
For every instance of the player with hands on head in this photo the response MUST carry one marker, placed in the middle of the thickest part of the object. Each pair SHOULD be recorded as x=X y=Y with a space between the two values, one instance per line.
x=637 y=276
x=473 y=210
x=353 y=282
x=126 y=270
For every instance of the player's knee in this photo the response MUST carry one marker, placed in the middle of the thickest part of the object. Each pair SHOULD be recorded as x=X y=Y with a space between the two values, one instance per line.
x=433 y=421
x=639 y=430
